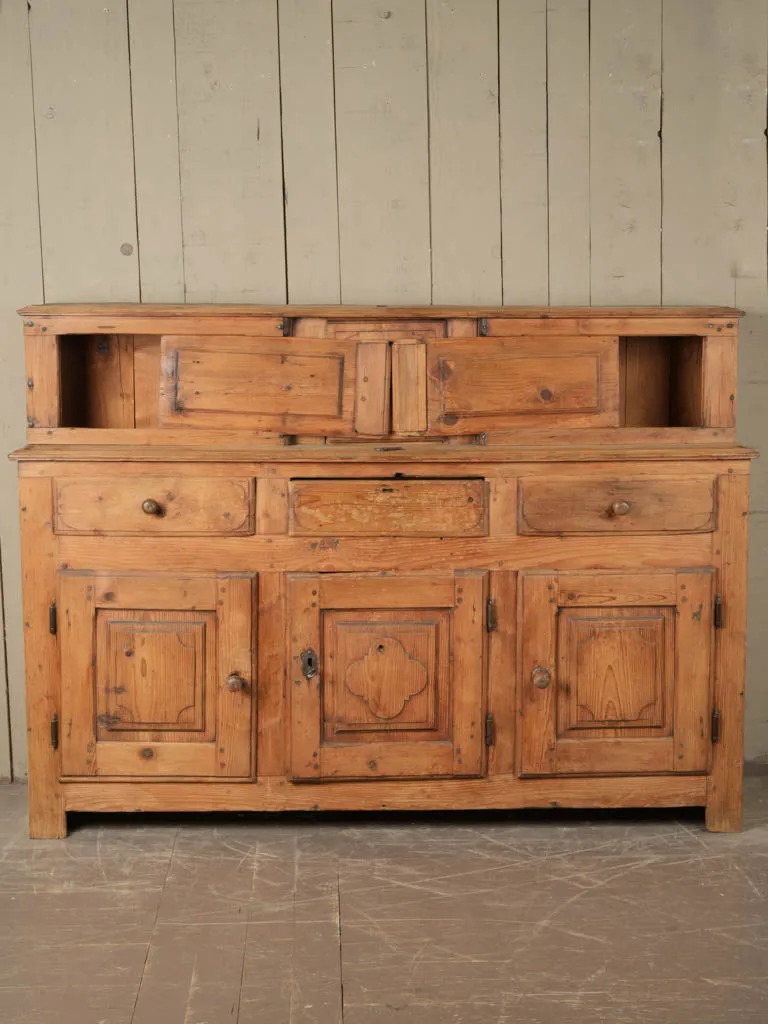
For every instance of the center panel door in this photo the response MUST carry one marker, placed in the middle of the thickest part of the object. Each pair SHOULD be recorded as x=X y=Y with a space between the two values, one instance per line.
x=387 y=675
x=615 y=671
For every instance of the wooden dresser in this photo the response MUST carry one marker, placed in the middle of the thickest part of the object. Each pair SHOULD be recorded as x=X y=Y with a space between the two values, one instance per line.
x=388 y=558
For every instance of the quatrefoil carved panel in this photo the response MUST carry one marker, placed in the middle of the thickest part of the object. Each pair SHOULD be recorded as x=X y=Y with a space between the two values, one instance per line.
x=386 y=678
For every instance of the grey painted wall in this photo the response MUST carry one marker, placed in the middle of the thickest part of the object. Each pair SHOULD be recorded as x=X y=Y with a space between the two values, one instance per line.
x=524 y=151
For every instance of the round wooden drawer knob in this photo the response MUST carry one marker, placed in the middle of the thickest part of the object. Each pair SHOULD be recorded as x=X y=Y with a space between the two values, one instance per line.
x=620 y=508
x=151 y=507
x=541 y=677
x=235 y=683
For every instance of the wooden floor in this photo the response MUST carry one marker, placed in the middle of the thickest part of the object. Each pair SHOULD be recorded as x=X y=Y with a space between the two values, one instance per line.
x=548 y=919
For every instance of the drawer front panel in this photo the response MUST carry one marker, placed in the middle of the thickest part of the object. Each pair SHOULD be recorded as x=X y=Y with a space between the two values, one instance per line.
x=578 y=506
x=484 y=384
x=383 y=508
x=155 y=505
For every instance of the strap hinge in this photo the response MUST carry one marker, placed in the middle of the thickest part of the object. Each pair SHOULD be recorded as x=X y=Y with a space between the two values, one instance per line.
x=53 y=619
x=715 y=733
x=490 y=615
x=490 y=730
x=55 y=731
x=718 y=612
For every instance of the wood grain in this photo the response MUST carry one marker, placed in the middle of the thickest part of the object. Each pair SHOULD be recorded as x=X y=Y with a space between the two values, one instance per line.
x=380 y=508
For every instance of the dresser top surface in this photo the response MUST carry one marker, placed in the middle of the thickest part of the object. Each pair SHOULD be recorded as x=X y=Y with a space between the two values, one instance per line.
x=132 y=309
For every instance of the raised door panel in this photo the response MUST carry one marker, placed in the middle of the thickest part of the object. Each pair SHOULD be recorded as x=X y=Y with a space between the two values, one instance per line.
x=285 y=385
x=388 y=675
x=485 y=384
x=615 y=671
x=156 y=675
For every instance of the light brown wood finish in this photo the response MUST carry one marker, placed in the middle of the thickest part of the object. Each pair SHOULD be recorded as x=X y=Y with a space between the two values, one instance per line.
x=493 y=384
x=47 y=818
x=608 y=683
x=380 y=508
x=617 y=506
x=488 y=589
x=724 y=786
x=157 y=675
x=155 y=506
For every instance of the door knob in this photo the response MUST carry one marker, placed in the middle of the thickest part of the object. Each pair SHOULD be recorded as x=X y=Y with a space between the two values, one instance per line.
x=620 y=508
x=235 y=683
x=541 y=677
x=151 y=507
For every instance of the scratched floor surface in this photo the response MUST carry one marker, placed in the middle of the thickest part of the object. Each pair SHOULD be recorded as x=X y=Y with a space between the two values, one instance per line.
x=632 y=919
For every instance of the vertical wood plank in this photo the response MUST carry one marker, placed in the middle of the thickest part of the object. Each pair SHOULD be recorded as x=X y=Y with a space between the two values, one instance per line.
x=309 y=151
x=47 y=817
x=502 y=702
x=568 y=150
x=625 y=167
x=537 y=622
x=714 y=148
x=409 y=387
x=272 y=757
x=236 y=601
x=372 y=387
x=85 y=150
x=469 y=671
x=108 y=367
x=724 y=785
x=231 y=163
x=304 y=633
x=156 y=149
x=381 y=128
x=43 y=381
x=523 y=132
x=271 y=506
x=146 y=380
x=20 y=281
x=462 y=44
x=77 y=630
x=693 y=672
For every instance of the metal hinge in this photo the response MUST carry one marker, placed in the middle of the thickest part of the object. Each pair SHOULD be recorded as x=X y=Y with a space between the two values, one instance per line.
x=286 y=326
x=490 y=730
x=718 y=612
x=55 y=732
x=715 y=726
x=53 y=619
x=490 y=615
x=482 y=327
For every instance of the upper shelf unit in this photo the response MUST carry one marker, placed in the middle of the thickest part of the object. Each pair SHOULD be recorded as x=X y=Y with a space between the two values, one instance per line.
x=235 y=374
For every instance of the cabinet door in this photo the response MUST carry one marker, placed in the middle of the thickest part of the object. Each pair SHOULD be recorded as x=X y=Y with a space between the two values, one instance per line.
x=615 y=671
x=387 y=675
x=287 y=385
x=485 y=384
x=156 y=675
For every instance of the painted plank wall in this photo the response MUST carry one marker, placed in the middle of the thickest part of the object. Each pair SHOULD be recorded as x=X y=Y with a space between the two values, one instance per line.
x=563 y=151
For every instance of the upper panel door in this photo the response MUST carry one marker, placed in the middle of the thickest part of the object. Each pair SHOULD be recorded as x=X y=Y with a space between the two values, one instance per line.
x=286 y=385
x=615 y=671
x=387 y=675
x=157 y=675
x=475 y=385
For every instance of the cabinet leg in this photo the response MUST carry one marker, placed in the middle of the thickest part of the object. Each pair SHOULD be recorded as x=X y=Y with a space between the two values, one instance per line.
x=724 y=786
x=47 y=815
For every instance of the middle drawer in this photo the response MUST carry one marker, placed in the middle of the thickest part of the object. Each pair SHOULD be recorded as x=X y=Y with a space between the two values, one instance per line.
x=388 y=508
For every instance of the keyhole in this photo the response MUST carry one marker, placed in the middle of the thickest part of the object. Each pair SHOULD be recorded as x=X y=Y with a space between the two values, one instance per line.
x=380 y=648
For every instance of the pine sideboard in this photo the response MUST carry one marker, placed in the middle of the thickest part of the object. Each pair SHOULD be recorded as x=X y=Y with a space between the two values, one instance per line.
x=382 y=558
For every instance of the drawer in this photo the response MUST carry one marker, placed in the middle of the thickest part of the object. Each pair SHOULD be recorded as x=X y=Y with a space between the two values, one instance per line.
x=617 y=505
x=155 y=505
x=388 y=508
